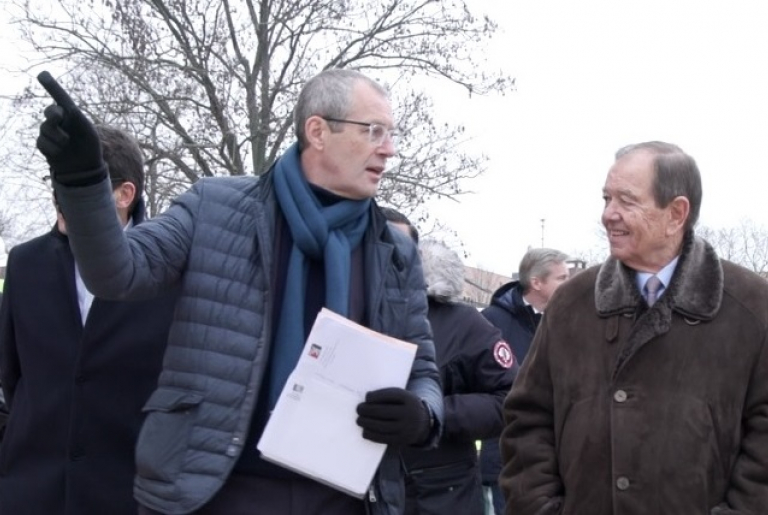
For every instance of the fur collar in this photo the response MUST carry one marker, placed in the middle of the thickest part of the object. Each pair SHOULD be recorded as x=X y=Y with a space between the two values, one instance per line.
x=696 y=290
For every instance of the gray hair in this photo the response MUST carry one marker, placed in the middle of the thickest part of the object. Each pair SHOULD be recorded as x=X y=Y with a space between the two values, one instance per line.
x=327 y=94
x=675 y=175
x=536 y=263
x=443 y=271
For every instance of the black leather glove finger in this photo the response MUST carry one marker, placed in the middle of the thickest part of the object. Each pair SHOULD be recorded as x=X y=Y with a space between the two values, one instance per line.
x=394 y=416
x=52 y=139
x=68 y=140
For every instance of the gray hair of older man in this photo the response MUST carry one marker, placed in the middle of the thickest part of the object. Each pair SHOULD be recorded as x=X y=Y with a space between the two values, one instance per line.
x=443 y=271
x=676 y=174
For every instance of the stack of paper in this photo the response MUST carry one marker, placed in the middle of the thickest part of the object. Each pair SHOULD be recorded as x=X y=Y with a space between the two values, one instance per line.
x=312 y=429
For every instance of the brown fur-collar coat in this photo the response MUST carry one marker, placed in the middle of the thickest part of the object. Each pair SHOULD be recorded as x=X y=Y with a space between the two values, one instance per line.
x=625 y=410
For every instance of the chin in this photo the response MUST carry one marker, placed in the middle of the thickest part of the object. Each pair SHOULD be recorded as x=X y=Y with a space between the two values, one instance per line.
x=619 y=254
x=367 y=193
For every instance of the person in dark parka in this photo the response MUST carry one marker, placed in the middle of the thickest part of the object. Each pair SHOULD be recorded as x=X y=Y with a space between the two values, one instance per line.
x=477 y=369
x=76 y=370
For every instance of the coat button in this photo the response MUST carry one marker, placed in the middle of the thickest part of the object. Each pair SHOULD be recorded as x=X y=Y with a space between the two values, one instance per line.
x=620 y=396
x=622 y=483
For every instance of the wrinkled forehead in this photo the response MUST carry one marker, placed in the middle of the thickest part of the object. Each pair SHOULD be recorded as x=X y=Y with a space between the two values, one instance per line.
x=633 y=172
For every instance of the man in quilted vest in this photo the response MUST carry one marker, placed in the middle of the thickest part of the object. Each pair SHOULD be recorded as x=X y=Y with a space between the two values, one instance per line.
x=256 y=258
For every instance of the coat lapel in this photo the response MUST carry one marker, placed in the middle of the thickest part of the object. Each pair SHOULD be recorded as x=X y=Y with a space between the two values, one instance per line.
x=65 y=262
x=695 y=292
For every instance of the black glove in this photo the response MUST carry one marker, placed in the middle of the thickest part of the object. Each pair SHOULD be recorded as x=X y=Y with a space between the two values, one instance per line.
x=68 y=140
x=394 y=416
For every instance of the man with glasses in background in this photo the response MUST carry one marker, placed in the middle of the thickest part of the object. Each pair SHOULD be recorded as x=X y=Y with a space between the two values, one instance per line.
x=256 y=259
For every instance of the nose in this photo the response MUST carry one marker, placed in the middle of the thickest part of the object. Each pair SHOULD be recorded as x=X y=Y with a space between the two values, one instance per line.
x=388 y=147
x=610 y=212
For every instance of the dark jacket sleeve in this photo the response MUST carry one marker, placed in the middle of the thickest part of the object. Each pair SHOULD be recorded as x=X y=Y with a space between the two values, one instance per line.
x=486 y=373
x=530 y=478
x=425 y=378
x=9 y=357
x=136 y=264
x=747 y=491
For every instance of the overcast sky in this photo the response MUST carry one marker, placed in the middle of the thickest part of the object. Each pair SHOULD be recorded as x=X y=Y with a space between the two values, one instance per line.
x=593 y=76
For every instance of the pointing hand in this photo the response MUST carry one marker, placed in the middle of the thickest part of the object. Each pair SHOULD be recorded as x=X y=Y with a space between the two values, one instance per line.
x=68 y=140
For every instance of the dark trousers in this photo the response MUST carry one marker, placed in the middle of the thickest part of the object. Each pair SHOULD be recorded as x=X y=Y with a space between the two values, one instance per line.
x=255 y=495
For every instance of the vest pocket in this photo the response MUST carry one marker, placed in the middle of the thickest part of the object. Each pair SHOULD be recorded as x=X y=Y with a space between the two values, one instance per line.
x=449 y=488
x=164 y=437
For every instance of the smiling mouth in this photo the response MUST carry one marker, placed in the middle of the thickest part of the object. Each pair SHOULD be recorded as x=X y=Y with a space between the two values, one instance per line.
x=615 y=233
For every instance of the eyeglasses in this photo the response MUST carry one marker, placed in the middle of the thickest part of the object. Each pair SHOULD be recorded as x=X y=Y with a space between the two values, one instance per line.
x=377 y=133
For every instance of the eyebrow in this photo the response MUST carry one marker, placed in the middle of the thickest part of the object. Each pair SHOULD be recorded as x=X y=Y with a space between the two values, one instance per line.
x=622 y=192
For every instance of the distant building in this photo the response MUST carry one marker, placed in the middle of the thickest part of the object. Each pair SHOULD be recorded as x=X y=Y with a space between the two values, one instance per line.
x=480 y=284
x=575 y=266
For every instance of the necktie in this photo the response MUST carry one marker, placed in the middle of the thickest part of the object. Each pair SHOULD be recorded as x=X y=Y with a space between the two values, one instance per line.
x=652 y=287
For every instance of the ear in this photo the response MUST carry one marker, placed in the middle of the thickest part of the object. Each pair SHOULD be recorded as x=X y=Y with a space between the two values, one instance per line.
x=535 y=284
x=679 y=210
x=60 y=222
x=124 y=195
x=315 y=129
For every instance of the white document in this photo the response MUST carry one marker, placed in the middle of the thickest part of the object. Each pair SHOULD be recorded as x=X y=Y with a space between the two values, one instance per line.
x=312 y=429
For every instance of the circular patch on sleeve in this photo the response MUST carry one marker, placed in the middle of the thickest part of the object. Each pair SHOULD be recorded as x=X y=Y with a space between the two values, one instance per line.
x=503 y=354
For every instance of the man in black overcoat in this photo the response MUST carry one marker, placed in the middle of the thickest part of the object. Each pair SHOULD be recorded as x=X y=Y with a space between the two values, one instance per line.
x=75 y=370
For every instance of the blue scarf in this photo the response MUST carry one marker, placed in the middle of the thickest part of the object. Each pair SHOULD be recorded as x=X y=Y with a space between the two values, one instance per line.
x=321 y=233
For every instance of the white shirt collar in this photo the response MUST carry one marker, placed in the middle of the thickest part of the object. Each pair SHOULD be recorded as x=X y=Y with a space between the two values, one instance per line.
x=664 y=275
x=525 y=301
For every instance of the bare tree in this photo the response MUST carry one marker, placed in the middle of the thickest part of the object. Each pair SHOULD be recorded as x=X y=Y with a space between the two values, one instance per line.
x=745 y=244
x=597 y=253
x=26 y=209
x=209 y=87
x=725 y=240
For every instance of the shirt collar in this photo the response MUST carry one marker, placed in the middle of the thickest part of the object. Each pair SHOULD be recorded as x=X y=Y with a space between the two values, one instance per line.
x=664 y=275
x=536 y=311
